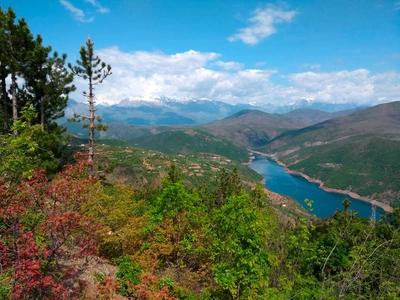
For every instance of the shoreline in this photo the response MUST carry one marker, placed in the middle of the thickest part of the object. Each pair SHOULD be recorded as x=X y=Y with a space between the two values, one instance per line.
x=385 y=207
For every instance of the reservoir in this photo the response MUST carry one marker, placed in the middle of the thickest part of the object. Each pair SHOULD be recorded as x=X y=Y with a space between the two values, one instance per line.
x=325 y=204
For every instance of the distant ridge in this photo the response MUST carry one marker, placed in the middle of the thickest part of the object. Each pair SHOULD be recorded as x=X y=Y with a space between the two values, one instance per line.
x=251 y=128
x=141 y=110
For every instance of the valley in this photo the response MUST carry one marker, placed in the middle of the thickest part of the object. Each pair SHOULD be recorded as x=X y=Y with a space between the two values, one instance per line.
x=355 y=150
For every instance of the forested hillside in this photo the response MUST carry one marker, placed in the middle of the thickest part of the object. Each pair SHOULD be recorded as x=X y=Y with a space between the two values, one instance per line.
x=359 y=152
x=135 y=223
x=252 y=128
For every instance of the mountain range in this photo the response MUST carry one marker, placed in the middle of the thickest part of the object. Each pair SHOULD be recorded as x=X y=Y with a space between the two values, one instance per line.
x=168 y=111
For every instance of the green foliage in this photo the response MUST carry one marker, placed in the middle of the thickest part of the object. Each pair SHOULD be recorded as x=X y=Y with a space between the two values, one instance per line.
x=240 y=247
x=22 y=154
x=129 y=273
x=5 y=285
x=173 y=174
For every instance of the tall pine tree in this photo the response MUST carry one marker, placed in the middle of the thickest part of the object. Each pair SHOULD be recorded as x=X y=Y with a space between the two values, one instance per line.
x=91 y=68
x=16 y=41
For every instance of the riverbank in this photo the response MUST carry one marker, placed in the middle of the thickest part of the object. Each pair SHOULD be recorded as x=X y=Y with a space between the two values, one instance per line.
x=385 y=207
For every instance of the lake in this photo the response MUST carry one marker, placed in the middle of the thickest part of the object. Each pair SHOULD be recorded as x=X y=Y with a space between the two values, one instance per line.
x=325 y=203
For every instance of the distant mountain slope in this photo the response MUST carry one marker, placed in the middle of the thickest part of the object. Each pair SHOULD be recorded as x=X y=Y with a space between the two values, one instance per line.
x=359 y=152
x=314 y=116
x=252 y=128
x=189 y=141
x=381 y=120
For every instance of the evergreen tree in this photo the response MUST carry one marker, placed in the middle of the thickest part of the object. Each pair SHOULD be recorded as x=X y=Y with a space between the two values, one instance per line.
x=223 y=190
x=16 y=42
x=235 y=182
x=48 y=84
x=173 y=174
x=91 y=68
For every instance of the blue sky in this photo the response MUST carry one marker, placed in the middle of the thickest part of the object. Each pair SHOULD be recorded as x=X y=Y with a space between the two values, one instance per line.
x=236 y=51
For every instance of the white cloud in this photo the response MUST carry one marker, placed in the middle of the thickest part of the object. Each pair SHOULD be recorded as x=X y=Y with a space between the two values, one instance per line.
x=77 y=13
x=312 y=66
x=358 y=86
x=230 y=65
x=188 y=74
x=397 y=6
x=100 y=8
x=263 y=24
x=260 y=63
x=148 y=63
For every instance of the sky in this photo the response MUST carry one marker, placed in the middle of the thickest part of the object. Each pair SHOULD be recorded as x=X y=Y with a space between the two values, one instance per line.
x=235 y=51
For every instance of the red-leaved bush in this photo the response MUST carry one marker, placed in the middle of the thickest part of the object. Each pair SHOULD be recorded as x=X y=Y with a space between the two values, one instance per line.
x=41 y=228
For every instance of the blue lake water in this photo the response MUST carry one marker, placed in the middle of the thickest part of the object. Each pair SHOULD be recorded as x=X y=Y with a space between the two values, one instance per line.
x=325 y=204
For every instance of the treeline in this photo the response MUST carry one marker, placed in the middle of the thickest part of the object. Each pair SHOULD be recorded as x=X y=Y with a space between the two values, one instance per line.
x=34 y=78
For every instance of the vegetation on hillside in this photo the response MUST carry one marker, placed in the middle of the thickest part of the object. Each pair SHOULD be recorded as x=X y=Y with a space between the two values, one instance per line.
x=139 y=166
x=173 y=242
x=191 y=141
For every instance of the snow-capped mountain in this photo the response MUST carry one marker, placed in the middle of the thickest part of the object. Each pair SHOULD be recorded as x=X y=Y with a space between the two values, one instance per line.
x=162 y=110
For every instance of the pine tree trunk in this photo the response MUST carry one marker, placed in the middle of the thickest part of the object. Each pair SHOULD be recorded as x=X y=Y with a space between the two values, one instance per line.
x=5 y=103
x=42 y=113
x=14 y=98
x=91 y=127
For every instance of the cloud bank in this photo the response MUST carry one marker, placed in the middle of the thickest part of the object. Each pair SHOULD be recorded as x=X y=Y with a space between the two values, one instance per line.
x=263 y=24
x=194 y=74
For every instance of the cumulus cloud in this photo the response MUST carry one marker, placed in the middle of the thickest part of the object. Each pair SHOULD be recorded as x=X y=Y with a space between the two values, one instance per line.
x=359 y=86
x=189 y=75
x=263 y=24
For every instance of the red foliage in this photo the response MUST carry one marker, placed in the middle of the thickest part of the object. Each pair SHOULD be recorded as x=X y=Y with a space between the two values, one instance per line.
x=108 y=289
x=38 y=220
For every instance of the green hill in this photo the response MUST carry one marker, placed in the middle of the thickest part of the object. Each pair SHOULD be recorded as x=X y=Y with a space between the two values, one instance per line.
x=359 y=152
x=135 y=166
x=191 y=141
